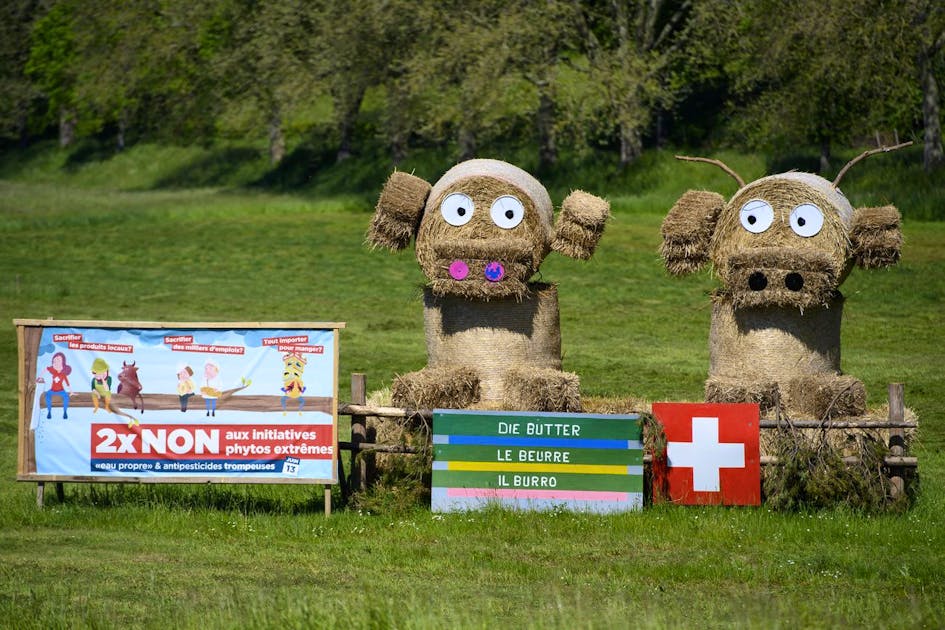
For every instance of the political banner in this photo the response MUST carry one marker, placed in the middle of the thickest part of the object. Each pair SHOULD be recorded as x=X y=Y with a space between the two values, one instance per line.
x=116 y=401
x=712 y=454
x=536 y=461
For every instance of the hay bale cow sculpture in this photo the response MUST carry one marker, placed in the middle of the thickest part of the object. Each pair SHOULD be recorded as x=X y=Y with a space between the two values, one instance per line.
x=493 y=336
x=781 y=247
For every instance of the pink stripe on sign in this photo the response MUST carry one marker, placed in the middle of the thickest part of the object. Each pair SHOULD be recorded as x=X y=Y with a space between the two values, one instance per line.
x=566 y=495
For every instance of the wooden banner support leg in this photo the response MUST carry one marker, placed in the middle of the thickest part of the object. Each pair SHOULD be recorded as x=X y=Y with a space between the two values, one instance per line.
x=897 y=439
x=327 y=499
x=40 y=491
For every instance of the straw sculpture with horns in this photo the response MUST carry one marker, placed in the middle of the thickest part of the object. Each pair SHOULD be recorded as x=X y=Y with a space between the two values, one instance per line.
x=781 y=247
x=493 y=335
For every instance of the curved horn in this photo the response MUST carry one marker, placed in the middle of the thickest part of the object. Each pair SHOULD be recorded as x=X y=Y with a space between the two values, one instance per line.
x=720 y=164
x=863 y=156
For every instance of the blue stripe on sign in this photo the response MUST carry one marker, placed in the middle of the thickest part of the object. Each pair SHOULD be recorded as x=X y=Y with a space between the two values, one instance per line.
x=495 y=440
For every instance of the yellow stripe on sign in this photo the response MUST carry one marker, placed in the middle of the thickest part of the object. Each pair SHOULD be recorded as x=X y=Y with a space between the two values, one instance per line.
x=586 y=469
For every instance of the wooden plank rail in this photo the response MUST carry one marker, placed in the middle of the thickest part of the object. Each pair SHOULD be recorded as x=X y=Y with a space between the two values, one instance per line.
x=351 y=409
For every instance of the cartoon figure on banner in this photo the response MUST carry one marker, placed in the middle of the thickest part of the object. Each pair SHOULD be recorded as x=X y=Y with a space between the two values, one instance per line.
x=101 y=386
x=781 y=246
x=493 y=335
x=129 y=385
x=211 y=387
x=59 y=371
x=292 y=384
x=211 y=392
x=185 y=385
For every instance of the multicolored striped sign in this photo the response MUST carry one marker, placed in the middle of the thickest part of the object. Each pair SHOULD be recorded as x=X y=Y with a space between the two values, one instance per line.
x=536 y=461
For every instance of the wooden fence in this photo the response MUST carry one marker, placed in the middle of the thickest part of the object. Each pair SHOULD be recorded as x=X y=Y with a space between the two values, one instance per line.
x=363 y=437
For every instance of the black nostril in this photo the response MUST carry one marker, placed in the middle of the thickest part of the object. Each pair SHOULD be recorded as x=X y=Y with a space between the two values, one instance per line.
x=794 y=281
x=757 y=281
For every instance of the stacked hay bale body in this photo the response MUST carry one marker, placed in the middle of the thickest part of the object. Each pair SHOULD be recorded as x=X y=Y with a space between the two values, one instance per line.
x=781 y=247
x=493 y=336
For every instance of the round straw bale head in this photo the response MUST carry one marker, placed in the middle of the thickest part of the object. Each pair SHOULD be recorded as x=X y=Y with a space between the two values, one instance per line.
x=476 y=236
x=783 y=194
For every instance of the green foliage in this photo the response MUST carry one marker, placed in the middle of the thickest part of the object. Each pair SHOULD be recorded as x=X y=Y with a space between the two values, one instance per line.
x=813 y=475
x=565 y=78
x=16 y=88
x=53 y=62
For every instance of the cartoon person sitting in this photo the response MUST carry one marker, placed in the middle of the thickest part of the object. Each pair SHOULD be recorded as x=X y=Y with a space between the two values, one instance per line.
x=211 y=389
x=59 y=371
x=101 y=384
x=185 y=386
x=292 y=384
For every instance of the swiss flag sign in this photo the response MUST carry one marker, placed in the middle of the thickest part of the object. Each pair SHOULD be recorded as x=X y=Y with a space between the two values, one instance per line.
x=712 y=455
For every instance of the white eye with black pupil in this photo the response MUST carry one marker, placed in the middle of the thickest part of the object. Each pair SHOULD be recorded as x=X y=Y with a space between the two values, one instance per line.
x=806 y=220
x=507 y=212
x=457 y=209
x=756 y=216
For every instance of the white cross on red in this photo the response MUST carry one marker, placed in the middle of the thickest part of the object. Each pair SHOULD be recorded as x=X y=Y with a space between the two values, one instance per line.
x=705 y=454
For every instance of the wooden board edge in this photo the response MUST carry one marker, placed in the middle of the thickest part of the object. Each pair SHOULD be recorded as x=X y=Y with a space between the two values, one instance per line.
x=86 y=323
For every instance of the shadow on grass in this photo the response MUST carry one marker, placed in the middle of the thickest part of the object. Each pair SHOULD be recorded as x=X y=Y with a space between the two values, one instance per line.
x=217 y=167
x=87 y=151
x=244 y=499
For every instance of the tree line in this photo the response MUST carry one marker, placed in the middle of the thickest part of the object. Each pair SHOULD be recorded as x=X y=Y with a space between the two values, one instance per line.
x=586 y=75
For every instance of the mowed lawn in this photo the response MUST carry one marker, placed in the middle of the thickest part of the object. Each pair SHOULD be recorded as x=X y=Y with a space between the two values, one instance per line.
x=264 y=556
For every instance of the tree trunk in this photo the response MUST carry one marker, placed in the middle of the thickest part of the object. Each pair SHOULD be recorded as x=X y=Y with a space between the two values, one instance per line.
x=824 y=156
x=276 y=140
x=547 y=147
x=348 y=107
x=23 y=127
x=398 y=149
x=122 y=126
x=346 y=129
x=631 y=144
x=67 y=124
x=398 y=124
x=467 y=144
x=932 y=155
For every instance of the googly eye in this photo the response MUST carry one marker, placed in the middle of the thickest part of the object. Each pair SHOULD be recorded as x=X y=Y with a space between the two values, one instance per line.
x=756 y=216
x=806 y=220
x=457 y=209
x=507 y=212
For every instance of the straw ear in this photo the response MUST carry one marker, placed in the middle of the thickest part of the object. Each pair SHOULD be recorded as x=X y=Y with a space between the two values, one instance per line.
x=398 y=210
x=687 y=231
x=580 y=225
x=876 y=237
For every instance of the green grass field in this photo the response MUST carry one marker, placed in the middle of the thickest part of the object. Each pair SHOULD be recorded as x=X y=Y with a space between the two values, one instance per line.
x=136 y=238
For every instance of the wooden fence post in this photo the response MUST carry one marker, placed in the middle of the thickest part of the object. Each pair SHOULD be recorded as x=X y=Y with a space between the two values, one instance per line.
x=897 y=439
x=358 y=433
